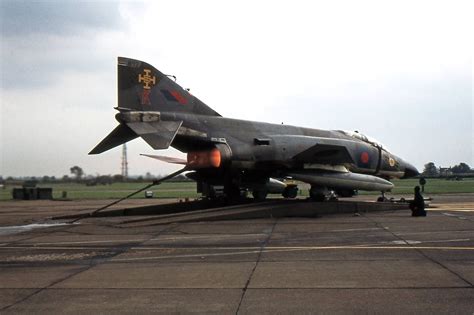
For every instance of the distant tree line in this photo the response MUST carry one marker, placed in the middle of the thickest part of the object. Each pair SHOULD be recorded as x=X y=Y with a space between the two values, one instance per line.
x=78 y=176
x=431 y=170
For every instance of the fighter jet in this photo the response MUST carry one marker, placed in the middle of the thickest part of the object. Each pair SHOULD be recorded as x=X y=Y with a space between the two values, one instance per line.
x=240 y=155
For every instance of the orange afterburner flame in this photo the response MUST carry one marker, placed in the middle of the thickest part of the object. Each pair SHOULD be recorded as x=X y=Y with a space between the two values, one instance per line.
x=204 y=159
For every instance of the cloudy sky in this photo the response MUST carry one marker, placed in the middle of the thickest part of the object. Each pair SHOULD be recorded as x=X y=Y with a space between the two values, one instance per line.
x=400 y=71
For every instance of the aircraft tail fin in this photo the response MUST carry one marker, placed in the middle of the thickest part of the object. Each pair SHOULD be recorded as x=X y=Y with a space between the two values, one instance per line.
x=141 y=87
x=143 y=94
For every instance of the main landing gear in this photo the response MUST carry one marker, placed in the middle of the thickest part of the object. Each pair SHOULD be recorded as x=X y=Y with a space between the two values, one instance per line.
x=233 y=193
x=260 y=195
x=317 y=193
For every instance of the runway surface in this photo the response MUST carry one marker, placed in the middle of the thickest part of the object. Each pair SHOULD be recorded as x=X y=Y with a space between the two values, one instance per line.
x=375 y=262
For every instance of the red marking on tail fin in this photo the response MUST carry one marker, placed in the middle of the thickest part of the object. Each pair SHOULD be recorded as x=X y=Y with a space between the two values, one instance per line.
x=146 y=97
x=181 y=99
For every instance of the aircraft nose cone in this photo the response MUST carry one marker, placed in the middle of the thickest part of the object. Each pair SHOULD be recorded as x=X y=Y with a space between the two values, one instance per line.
x=410 y=171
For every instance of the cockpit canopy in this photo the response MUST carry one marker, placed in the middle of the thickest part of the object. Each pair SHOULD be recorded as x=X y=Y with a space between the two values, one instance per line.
x=357 y=135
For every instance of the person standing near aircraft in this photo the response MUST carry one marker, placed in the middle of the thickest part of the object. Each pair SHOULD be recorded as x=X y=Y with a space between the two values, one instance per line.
x=417 y=206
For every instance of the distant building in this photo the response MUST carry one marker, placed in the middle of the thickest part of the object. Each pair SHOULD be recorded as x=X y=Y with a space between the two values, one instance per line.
x=445 y=171
x=29 y=191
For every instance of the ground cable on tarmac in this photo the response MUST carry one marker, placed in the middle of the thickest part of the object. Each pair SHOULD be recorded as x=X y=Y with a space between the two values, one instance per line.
x=154 y=183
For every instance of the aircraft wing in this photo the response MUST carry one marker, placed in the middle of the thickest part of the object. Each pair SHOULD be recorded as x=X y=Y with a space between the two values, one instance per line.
x=325 y=154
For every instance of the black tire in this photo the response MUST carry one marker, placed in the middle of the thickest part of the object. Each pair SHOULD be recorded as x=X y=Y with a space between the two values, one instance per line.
x=232 y=193
x=317 y=197
x=259 y=195
x=317 y=193
x=290 y=192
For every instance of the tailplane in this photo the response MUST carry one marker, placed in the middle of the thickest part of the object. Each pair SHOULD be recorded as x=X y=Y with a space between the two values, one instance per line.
x=120 y=135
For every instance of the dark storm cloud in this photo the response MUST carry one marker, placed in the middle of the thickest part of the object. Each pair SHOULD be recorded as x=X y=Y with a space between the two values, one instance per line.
x=38 y=62
x=56 y=17
x=42 y=40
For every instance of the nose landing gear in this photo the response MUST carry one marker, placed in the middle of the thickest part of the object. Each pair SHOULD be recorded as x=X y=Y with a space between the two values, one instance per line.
x=382 y=198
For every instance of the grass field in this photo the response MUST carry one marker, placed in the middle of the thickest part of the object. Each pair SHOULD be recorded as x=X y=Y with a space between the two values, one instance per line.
x=114 y=191
x=188 y=189
x=434 y=186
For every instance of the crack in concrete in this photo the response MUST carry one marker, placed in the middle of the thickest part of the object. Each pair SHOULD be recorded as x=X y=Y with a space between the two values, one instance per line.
x=93 y=263
x=420 y=251
x=262 y=248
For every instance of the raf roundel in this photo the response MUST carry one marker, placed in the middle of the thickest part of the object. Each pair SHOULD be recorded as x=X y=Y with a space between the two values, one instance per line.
x=391 y=162
x=364 y=157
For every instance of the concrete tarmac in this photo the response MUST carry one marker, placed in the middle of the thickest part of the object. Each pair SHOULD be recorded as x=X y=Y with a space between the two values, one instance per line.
x=375 y=262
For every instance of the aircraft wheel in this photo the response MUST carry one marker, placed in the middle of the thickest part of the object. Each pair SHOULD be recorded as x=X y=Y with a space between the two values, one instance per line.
x=318 y=193
x=345 y=193
x=232 y=192
x=290 y=192
x=259 y=195
x=318 y=197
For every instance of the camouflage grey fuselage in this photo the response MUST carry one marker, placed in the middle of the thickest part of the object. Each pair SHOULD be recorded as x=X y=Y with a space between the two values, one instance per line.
x=157 y=109
x=264 y=146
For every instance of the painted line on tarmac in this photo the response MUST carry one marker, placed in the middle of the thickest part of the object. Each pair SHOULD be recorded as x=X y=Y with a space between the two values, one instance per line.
x=217 y=236
x=89 y=242
x=454 y=216
x=434 y=232
x=449 y=209
x=256 y=251
x=186 y=237
x=351 y=230
x=411 y=242
x=153 y=239
x=447 y=241
x=269 y=248
x=55 y=248
x=288 y=249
